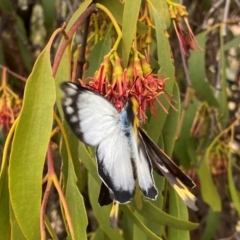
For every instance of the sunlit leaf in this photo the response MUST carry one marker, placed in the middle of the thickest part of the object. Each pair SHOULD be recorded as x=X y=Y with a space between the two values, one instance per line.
x=128 y=227
x=198 y=74
x=232 y=43
x=232 y=189
x=208 y=189
x=49 y=228
x=137 y=233
x=178 y=209
x=212 y=223
x=116 y=8
x=185 y=142
x=30 y=145
x=101 y=213
x=88 y=160
x=154 y=214
x=139 y=223
x=171 y=123
x=4 y=205
x=16 y=232
x=76 y=204
x=99 y=234
x=130 y=17
x=166 y=70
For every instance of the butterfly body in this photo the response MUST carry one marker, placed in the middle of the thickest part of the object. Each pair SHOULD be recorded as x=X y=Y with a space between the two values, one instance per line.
x=124 y=151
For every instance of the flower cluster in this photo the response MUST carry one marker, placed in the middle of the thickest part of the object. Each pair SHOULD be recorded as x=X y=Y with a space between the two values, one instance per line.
x=118 y=84
x=186 y=38
x=10 y=105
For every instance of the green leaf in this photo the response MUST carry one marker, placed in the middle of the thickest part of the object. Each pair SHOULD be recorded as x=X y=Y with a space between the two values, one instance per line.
x=232 y=189
x=49 y=228
x=73 y=143
x=156 y=215
x=212 y=224
x=128 y=227
x=82 y=7
x=135 y=218
x=116 y=8
x=97 y=55
x=168 y=138
x=166 y=69
x=160 y=183
x=232 y=43
x=171 y=124
x=62 y=75
x=130 y=17
x=185 y=142
x=76 y=205
x=16 y=232
x=162 y=7
x=49 y=10
x=30 y=144
x=101 y=213
x=4 y=205
x=137 y=233
x=88 y=160
x=197 y=74
x=99 y=234
x=208 y=189
x=178 y=209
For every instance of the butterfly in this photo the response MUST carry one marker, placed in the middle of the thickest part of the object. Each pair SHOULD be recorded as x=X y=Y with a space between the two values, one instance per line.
x=124 y=151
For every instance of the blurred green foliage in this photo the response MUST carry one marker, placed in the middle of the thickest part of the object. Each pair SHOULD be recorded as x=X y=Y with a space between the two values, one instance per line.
x=193 y=123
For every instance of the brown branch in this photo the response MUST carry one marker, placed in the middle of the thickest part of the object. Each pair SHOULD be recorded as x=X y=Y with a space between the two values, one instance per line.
x=13 y=73
x=92 y=8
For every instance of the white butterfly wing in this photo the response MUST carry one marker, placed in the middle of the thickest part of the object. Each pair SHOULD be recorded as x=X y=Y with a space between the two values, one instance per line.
x=144 y=170
x=115 y=167
x=96 y=122
x=91 y=117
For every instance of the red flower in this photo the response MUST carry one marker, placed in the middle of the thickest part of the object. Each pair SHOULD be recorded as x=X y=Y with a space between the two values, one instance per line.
x=135 y=81
x=186 y=37
x=6 y=114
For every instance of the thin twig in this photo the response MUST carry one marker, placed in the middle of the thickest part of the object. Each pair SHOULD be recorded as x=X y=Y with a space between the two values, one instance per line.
x=185 y=69
x=225 y=16
x=70 y=7
x=218 y=80
x=92 y=8
x=223 y=33
x=213 y=9
x=13 y=73
x=212 y=120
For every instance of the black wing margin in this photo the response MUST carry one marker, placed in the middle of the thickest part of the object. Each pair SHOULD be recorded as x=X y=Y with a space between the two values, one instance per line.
x=163 y=165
